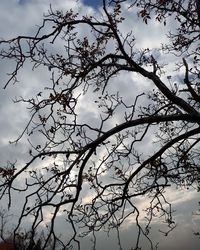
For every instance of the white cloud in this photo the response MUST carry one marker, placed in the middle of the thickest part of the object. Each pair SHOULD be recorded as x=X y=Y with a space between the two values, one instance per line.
x=21 y=17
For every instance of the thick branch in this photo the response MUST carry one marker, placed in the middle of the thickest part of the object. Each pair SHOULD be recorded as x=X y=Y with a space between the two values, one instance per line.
x=158 y=154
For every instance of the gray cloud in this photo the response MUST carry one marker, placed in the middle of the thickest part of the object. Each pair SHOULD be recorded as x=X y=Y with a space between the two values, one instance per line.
x=22 y=19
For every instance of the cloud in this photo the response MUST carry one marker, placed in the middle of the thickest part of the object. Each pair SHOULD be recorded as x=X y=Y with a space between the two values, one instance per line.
x=21 y=17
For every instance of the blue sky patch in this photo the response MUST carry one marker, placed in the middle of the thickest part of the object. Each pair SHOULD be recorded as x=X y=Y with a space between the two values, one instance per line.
x=93 y=3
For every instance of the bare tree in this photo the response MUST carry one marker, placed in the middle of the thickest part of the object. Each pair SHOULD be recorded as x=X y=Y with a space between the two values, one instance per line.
x=23 y=240
x=96 y=170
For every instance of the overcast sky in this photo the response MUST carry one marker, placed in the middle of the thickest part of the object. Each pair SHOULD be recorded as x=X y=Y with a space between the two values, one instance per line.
x=18 y=17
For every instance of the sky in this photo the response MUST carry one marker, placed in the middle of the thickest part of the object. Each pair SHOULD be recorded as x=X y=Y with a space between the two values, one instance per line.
x=20 y=17
x=94 y=4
